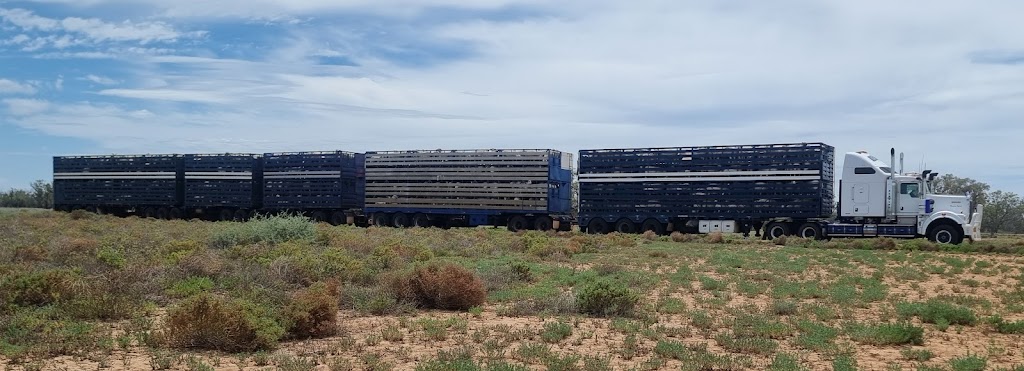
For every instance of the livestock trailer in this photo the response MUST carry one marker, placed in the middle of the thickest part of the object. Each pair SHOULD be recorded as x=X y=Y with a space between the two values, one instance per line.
x=149 y=185
x=327 y=186
x=517 y=188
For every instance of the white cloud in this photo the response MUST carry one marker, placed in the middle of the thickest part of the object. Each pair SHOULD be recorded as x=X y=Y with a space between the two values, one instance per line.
x=14 y=87
x=25 y=107
x=859 y=75
x=102 y=80
x=76 y=31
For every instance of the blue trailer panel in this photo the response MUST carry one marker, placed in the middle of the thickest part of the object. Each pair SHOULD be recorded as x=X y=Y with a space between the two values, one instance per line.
x=117 y=180
x=223 y=180
x=748 y=182
x=313 y=180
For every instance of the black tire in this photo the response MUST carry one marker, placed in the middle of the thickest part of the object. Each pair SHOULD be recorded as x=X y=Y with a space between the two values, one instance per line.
x=163 y=213
x=400 y=220
x=318 y=216
x=517 y=223
x=381 y=220
x=542 y=223
x=176 y=213
x=338 y=218
x=810 y=230
x=653 y=225
x=625 y=226
x=946 y=234
x=241 y=215
x=775 y=230
x=91 y=209
x=225 y=215
x=597 y=226
x=149 y=212
x=421 y=221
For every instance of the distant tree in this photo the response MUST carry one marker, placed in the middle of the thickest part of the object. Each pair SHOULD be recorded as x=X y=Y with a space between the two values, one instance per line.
x=953 y=185
x=40 y=195
x=1004 y=212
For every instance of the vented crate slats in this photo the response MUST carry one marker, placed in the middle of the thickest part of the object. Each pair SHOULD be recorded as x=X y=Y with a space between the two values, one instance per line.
x=473 y=179
x=300 y=180
x=620 y=187
x=222 y=180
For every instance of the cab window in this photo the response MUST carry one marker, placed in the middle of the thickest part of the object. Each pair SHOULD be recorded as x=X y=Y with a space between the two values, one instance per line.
x=912 y=189
x=864 y=170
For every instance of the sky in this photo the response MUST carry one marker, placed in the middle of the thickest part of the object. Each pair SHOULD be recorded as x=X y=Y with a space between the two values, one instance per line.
x=941 y=80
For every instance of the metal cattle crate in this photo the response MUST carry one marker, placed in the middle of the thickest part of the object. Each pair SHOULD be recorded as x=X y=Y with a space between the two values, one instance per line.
x=228 y=180
x=742 y=182
x=117 y=180
x=469 y=181
x=313 y=180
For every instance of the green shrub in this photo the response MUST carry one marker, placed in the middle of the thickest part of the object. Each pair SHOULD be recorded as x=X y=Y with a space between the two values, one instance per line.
x=784 y=362
x=450 y=361
x=740 y=344
x=36 y=288
x=887 y=334
x=968 y=362
x=844 y=362
x=784 y=307
x=213 y=322
x=555 y=331
x=937 y=311
x=1004 y=327
x=269 y=229
x=376 y=300
x=192 y=285
x=440 y=286
x=606 y=298
x=312 y=313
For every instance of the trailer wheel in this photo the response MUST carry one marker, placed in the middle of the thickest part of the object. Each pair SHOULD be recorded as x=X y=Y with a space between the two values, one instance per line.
x=176 y=213
x=517 y=223
x=810 y=230
x=400 y=220
x=946 y=234
x=338 y=218
x=597 y=226
x=241 y=215
x=91 y=209
x=381 y=220
x=775 y=230
x=225 y=215
x=319 y=216
x=149 y=212
x=542 y=223
x=653 y=225
x=163 y=214
x=420 y=220
x=625 y=226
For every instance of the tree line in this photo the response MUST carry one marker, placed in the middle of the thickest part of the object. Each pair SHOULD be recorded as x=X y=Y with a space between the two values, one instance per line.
x=39 y=195
x=1004 y=211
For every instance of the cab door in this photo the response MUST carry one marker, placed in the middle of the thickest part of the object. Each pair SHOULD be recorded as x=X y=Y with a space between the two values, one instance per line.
x=910 y=199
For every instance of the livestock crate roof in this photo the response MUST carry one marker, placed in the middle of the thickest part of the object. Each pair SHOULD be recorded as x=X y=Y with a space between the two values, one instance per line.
x=117 y=156
x=462 y=151
x=309 y=153
x=742 y=146
x=224 y=154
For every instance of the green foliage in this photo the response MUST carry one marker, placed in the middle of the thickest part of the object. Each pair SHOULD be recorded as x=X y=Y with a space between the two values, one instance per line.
x=212 y=322
x=272 y=229
x=887 y=334
x=192 y=285
x=606 y=298
x=1004 y=327
x=555 y=331
x=937 y=312
x=784 y=307
x=844 y=362
x=918 y=355
x=968 y=362
x=784 y=362
x=40 y=195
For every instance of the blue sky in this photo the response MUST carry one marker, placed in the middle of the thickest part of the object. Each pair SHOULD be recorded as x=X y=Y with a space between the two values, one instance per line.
x=941 y=80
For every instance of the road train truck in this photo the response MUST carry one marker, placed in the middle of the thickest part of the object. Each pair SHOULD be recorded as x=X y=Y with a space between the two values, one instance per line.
x=780 y=189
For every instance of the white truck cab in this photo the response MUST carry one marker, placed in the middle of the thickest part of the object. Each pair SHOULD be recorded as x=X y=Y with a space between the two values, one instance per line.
x=875 y=200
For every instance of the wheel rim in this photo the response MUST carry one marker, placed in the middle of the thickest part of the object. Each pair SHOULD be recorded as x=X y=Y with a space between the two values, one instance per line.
x=776 y=232
x=517 y=224
x=944 y=236
x=400 y=221
x=809 y=232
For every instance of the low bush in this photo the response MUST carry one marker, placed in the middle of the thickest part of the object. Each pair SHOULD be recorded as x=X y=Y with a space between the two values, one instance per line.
x=605 y=298
x=780 y=241
x=35 y=288
x=884 y=243
x=683 y=237
x=1004 y=327
x=376 y=300
x=312 y=312
x=969 y=362
x=556 y=331
x=270 y=229
x=937 y=311
x=715 y=237
x=887 y=334
x=217 y=323
x=440 y=286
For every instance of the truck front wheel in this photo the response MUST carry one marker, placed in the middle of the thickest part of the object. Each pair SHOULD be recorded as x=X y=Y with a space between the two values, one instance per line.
x=946 y=234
